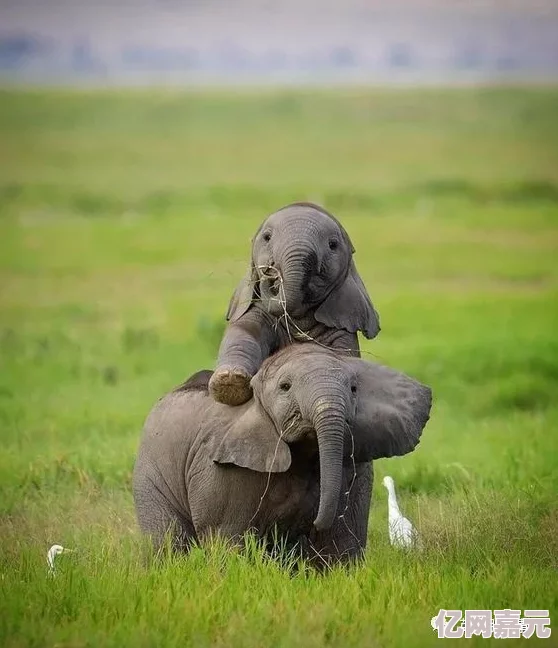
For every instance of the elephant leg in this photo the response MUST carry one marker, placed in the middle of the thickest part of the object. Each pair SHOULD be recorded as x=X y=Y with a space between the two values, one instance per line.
x=346 y=342
x=341 y=341
x=245 y=345
x=345 y=541
x=226 y=503
x=159 y=521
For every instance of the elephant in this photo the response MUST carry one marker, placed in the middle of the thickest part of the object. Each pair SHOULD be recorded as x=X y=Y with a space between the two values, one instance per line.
x=302 y=284
x=295 y=462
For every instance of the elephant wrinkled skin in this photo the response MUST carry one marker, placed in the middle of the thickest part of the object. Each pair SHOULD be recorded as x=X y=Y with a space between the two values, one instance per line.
x=283 y=462
x=302 y=284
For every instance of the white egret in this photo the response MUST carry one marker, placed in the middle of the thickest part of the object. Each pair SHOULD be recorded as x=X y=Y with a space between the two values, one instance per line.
x=401 y=532
x=52 y=553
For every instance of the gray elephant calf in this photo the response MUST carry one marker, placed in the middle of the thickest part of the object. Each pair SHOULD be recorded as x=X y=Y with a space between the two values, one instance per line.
x=295 y=460
x=302 y=284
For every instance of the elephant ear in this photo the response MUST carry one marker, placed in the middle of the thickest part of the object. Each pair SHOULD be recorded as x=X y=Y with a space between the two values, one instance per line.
x=243 y=296
x=349 y=307
x=392 y=411
x=252 y=442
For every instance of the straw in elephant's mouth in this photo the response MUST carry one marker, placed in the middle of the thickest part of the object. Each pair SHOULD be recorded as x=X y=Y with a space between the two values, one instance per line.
x=274 y=288
x=272 y=280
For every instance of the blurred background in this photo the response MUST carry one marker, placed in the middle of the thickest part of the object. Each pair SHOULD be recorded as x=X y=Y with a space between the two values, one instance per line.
x=141 y=145
x=265 y=41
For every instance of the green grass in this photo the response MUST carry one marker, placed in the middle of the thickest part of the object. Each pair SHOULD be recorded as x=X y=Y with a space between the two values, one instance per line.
x=125 y=223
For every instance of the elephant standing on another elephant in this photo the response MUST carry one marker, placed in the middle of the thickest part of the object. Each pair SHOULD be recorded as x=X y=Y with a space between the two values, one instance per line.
x=295 y=460
x=302 y=285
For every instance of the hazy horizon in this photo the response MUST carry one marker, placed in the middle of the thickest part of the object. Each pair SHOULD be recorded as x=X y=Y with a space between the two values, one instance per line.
x=165 y=41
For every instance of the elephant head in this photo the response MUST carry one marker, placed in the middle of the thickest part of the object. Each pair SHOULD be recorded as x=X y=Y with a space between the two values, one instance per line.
x=302 y=261
x=305 y=390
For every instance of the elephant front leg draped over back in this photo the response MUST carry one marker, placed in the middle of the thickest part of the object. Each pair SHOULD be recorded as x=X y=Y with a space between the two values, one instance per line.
x=257 y=335
x=244 y=347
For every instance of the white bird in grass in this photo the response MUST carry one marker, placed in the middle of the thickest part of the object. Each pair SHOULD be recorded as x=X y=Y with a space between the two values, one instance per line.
x=51 y=555
x=401 y=532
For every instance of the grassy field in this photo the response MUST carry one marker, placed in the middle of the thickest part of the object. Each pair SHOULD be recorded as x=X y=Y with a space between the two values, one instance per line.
x=125 y=223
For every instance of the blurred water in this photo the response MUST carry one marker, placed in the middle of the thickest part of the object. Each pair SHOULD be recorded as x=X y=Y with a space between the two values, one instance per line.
x=304 y=41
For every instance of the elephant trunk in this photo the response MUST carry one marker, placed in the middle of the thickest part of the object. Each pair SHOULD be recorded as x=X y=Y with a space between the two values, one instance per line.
x=296 y=265
x=329 y=423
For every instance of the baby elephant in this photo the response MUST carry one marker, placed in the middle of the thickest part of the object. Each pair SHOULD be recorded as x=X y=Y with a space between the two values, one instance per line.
x=294 y=462
x=302 y=284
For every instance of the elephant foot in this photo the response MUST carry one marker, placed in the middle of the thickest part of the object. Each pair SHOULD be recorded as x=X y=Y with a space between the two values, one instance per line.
x=230 y=386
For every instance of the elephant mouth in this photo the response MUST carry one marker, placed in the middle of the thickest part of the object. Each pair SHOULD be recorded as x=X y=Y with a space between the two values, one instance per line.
x=272 y=292
x=274 y=288
x=295 y=427
x=300 y=432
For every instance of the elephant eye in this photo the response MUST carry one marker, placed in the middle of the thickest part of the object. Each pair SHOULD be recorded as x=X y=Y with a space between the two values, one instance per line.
x=266 y=236
x=333 y=244
x=353 y=389
x=285 y=385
